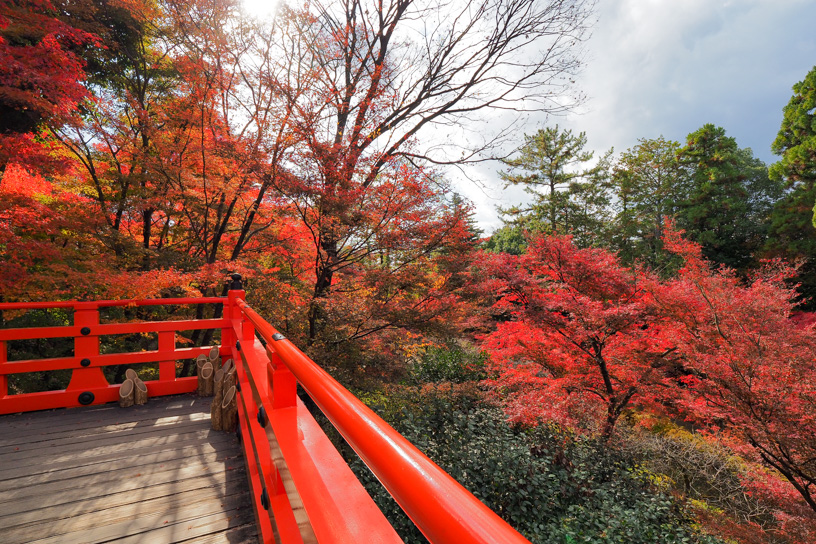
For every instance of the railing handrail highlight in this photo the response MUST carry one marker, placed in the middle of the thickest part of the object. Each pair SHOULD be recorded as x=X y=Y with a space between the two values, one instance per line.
x=109 y=303
x=441 y=508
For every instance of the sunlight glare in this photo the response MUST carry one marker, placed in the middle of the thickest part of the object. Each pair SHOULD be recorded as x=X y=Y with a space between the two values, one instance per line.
x=260 y=9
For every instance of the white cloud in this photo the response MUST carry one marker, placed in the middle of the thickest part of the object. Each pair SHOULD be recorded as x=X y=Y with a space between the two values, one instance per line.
x=663 y=67
x=667 y=67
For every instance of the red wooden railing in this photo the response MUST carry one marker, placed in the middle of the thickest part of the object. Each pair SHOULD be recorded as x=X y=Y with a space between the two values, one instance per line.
x=302 y=488
x=88 y=384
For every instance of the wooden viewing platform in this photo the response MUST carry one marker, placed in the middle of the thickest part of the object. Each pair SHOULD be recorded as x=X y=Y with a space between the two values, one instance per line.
x=155 y=473
x=158 y=473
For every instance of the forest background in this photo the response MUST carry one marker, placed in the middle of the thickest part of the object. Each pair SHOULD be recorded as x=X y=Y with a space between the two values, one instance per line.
x=629 y=359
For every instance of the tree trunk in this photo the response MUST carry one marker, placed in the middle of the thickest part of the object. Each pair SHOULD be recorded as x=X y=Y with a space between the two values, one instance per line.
x=324 y=273
x=120 y=375
x=609 y=424
x=147 y=226
x=196 y=336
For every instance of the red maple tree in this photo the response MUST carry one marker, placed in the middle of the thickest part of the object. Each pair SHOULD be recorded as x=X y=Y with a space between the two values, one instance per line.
x=41 y=75
x=584 y=338
x=752 y=369
x=581 y=341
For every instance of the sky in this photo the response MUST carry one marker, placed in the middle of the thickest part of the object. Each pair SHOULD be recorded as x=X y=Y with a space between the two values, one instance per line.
x=667 y=67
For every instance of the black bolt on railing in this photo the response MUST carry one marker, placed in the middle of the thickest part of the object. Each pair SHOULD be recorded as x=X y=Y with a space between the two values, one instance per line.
x=265 y=499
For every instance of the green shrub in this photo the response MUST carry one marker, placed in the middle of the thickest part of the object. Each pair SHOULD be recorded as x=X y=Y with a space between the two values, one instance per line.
x=447 y=364
x=550 y=485
x=39 y=348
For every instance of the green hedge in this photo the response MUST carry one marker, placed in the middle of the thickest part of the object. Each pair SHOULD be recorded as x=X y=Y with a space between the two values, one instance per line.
x=550 y=485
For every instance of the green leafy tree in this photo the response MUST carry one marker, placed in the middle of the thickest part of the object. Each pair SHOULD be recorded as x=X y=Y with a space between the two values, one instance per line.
x=792 y=232
x=569 y=195
x=727 y=197
x=646 y=183
x=507 y=239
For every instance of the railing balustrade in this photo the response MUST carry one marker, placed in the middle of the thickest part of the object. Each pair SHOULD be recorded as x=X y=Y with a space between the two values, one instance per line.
x=88 y=384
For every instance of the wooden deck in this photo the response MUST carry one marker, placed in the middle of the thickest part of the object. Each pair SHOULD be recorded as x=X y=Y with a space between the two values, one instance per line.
x=154 y=474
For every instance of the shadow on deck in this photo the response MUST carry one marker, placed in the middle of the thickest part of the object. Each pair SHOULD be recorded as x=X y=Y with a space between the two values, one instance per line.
x=153 y=473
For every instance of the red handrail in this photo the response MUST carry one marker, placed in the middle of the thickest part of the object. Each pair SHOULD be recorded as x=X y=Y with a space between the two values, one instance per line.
x=108 y=303
x=440 y=507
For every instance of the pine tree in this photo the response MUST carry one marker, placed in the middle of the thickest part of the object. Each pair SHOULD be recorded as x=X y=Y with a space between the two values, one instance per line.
x=792 y=232
x=726 y=198
x=569 y=195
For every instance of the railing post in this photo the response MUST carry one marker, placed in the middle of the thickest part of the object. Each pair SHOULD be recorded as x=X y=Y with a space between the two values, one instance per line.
x=167 y=343
x=231 y=310
x=3 y=377
x=284 y=384
x=86 y=348
x=242 y=326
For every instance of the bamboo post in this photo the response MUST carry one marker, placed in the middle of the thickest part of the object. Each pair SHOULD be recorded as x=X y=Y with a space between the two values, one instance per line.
x=229 y=364
x=213 y=356
x=201 y=360
x=130 y=374
x=139 y=391
x=205 y=380
x=229 y=411
x=229 y=374
x=215 y=408
x=126 y=397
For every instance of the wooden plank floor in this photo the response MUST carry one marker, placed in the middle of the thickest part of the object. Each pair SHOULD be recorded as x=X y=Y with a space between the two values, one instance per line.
x=155 y=474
